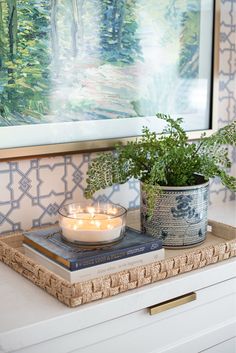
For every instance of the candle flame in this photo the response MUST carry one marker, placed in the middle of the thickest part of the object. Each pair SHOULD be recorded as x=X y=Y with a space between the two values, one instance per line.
x=98 y=224
x=112 y=210
x=91 y=210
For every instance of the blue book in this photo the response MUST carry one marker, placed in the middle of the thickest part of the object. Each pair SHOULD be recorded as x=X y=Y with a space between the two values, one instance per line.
x=50 y=243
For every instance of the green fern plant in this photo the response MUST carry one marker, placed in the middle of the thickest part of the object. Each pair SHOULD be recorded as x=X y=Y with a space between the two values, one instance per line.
x=166 y=159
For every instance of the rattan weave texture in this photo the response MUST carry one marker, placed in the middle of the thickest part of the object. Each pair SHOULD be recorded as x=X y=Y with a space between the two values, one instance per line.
x=11 y=253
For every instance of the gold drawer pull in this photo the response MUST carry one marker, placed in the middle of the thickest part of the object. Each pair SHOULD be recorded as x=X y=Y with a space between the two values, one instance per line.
x=172 y=303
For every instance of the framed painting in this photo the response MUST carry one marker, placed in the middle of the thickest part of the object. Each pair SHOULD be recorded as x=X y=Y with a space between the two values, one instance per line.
x=84 y=74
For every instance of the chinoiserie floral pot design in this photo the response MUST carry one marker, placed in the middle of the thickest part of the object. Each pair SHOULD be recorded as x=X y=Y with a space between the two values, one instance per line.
x=179 y=217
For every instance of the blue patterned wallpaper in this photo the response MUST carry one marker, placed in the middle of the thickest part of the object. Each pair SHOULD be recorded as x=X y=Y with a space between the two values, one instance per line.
x=227 y=89
x=31 y=191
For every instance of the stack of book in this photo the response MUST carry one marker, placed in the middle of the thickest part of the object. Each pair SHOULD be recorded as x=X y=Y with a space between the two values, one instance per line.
x=77 y=264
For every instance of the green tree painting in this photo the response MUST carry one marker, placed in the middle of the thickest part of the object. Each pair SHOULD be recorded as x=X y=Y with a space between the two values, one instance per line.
x=25 y=60
x=72 y=60
x=119 y=38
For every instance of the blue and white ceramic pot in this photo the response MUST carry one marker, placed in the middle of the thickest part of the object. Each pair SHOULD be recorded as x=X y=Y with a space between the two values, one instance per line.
x=179 y=217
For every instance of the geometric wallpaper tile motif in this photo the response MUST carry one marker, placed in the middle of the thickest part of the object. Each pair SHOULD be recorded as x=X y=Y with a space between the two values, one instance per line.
x=31 y=191
x=227 y=89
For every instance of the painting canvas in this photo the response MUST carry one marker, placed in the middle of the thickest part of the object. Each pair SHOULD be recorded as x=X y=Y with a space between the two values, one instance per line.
x=70 y=69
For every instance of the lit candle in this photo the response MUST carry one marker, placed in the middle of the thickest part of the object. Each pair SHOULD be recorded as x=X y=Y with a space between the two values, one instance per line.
x=89 y=226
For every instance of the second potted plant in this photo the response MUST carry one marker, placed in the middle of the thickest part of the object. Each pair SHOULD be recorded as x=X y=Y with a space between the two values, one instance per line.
x=174 y=175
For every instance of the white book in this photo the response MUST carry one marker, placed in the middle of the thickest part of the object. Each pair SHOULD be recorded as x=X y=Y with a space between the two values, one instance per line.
x=89 y=273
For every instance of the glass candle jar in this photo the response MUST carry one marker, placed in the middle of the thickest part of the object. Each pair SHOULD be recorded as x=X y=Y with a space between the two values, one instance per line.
x=92 y=225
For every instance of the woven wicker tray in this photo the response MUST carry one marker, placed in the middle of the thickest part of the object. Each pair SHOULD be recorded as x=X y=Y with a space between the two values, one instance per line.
x=220 y=245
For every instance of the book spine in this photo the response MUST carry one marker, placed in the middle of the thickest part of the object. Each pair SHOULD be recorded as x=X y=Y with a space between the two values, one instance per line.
x=106 y=269
x=115 y=255
x=89 y=273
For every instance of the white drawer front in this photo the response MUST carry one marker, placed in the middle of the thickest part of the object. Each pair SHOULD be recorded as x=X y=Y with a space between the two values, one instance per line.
x=228 y=346
x=192 y=327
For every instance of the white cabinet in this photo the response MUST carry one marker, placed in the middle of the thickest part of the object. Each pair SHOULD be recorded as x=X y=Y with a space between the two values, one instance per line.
x=33 y=322
x=228 y=346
